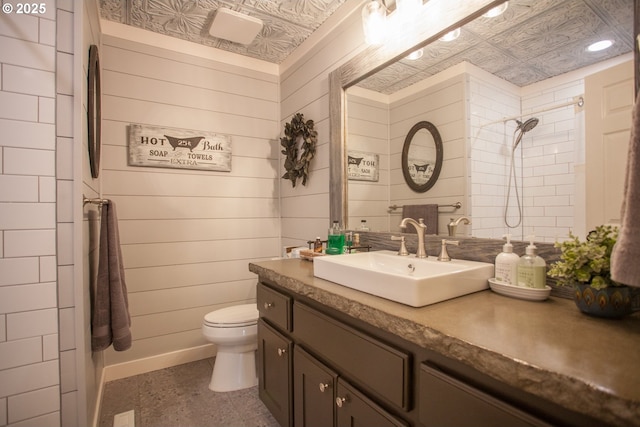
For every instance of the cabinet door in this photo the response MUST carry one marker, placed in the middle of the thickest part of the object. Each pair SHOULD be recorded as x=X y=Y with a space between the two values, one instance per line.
x=354 y=409
x=377 y=368
x=314 y=391
x=446 y=401
x=274 y=372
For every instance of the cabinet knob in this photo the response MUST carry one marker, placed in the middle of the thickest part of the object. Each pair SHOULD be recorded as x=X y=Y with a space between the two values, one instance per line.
x=324 y=387
x=268 y=305
x=282 y=352
x=340 y=401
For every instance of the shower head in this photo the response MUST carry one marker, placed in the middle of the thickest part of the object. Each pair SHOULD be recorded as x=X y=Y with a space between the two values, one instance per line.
x=524 y=128
x=527 y=125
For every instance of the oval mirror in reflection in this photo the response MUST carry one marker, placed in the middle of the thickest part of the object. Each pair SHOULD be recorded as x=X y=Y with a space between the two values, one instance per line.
x=422 y=156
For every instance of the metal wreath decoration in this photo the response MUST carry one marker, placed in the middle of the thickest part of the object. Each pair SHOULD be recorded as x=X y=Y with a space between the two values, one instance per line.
x=299 y=145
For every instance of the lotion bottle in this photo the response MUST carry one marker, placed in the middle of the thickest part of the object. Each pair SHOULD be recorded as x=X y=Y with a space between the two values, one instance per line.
x=532 y=270
x=507 y=264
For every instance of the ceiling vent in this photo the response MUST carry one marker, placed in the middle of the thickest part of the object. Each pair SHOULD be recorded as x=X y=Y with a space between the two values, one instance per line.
x=234 y=26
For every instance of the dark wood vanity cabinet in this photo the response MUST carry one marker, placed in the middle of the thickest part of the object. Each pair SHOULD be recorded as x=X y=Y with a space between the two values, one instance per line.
x=447 y=401
x=319 y=367
x=314 y=385
x=302 y=358
x=275 y=372
x=356 y=409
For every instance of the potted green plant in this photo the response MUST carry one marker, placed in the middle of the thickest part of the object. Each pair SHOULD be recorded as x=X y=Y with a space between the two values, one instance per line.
x=586 y=265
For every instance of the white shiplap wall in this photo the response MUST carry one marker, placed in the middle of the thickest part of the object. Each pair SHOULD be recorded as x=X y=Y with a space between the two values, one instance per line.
x=442 y=104
x=187 y=236
x=305 y=89
x=368 y=132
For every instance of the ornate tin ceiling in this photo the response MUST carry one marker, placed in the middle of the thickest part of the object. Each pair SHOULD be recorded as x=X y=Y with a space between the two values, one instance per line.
x=533 y=40
x=287 y=23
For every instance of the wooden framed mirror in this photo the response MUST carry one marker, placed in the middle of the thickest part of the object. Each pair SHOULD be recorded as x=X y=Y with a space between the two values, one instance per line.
x=437 y=18
x=422 y=156
x=94 y=111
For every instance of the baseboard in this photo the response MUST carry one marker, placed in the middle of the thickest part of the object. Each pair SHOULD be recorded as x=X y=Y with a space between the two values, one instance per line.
x=161 y=361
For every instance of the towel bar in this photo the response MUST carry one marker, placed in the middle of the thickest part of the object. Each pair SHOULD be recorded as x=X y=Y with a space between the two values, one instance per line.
x=100 y=202
x=456 y=205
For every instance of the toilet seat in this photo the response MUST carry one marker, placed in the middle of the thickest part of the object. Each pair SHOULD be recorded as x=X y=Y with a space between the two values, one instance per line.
x=233 y=317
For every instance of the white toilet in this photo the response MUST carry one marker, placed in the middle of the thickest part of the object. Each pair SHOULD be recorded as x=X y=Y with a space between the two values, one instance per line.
x=234 y=331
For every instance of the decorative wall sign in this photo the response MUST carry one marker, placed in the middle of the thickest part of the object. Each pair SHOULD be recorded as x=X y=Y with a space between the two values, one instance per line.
x=421 y=170
x=178 y=148
x=362 y=166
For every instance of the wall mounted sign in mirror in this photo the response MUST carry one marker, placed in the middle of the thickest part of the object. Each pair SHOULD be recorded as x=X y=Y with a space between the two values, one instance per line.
x=362 y=166
x=422 y=156
x=178 y=148
x=94 y=111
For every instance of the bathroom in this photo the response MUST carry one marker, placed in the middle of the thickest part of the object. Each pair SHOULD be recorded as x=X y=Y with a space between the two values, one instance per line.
x=187 y=237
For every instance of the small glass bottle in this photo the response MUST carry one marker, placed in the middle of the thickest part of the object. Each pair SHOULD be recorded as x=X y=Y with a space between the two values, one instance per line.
x=363 y=225
x=317 y=245
x=335 y=241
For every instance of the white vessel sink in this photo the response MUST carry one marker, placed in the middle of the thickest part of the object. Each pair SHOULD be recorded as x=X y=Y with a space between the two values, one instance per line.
x=409 y=280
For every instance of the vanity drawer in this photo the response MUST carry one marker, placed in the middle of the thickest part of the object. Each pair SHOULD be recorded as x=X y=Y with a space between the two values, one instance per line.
x=447 y=401
x=274 y=306
x=375 y=366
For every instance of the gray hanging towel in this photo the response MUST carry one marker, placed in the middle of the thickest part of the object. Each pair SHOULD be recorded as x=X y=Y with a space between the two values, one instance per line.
x=110 y=321
x=625 y=267
x=429 y=213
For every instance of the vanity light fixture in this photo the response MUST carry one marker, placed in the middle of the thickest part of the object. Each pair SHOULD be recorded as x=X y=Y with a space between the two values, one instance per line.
x=496 y=11
x=408 y=8
x=601 y=45
x=374 y=22
x=380 y=24
x=451 y=35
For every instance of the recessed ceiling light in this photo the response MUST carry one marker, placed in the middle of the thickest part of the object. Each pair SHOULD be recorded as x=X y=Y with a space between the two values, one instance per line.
x=601 y=45
x=451 y=35
x=496 y=11
x=416 y=54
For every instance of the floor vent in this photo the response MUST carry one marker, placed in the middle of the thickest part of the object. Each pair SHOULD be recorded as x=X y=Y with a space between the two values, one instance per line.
x=124 y=419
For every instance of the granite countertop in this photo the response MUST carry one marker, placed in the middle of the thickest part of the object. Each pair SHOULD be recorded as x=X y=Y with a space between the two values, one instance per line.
x=547 y=348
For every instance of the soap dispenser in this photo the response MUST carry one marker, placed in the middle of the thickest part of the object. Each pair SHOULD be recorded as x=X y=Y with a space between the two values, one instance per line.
x=532 y=270
x=507 y=264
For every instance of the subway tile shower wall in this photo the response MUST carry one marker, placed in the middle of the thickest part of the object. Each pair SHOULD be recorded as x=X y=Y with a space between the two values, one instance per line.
x=32 y=123
x=547 y=172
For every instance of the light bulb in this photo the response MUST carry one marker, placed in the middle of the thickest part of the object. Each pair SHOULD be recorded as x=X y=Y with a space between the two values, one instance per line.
x=451 y=35
x=408 y=7
x=601 y=45
x=416 y=54
x=496 y=11
x=374 y=18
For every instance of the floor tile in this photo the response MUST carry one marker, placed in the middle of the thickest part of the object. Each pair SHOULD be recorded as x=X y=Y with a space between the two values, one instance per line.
x=179 y=396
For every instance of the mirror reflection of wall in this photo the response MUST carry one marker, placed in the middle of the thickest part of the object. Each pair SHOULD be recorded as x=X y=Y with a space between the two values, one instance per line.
x=477 y=151
x=468 y=104
x=421 y=159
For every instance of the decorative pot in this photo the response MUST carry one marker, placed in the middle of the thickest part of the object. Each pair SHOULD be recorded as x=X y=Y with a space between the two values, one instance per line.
x=610 y=302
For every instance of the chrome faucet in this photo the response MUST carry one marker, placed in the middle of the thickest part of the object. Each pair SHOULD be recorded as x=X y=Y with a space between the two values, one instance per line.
x=453 y=224
x=420 y=230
